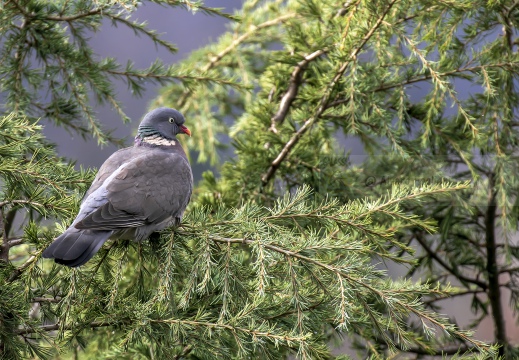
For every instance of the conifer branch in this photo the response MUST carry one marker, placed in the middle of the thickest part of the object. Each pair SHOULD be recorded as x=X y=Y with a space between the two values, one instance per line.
x=168 y=75
x=451 y=270
x=425 y=77
x=286 y=337
x=74 y=17
x=20 y=270
x=296 y=77
x=213 y=61
x=272 y=336
x=286 y=313
x=295 y=81
x=247 y=269
x=323 y=102
x=447 y=351
x=453 y=295
x=57 y=18
x=15 y=242
x=340 y=273
x=512 y=8
x=39 y=299
x=58 y=326
x=185 y=351
x=397 y=196
x=42 y=208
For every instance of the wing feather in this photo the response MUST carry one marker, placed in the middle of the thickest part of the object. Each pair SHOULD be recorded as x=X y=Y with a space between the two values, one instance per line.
x=146 y=190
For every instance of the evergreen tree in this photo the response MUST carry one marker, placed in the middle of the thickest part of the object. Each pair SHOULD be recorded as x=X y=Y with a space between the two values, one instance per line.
x=281 y=252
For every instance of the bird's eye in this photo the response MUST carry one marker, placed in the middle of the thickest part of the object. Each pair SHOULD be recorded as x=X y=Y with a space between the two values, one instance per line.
x=171 y=120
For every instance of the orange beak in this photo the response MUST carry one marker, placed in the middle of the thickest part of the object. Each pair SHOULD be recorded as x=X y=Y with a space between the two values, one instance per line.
x=185 y=130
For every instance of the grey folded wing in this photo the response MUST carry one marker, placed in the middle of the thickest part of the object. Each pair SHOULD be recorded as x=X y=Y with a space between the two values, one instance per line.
x=116 y=160
x=144 y=191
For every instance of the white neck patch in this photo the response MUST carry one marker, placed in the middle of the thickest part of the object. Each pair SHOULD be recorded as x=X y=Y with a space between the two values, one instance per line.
x=157 y=140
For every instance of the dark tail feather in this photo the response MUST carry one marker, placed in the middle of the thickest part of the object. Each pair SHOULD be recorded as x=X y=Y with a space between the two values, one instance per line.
x=74 y=248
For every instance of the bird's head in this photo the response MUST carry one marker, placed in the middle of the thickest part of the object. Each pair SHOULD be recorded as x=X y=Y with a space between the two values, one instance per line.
x=163 y=121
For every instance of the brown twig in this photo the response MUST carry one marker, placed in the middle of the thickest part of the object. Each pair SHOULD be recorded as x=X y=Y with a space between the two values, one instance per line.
x=19 y=271
x=450 y=296
x=15 y=242
x=75 y=17
x=323 y=103
x=293 y=88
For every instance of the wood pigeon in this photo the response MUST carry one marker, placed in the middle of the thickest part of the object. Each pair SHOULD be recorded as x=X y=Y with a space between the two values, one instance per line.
x=138 y=190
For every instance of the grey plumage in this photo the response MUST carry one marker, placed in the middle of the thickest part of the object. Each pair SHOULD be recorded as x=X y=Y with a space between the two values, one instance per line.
x=138 y=190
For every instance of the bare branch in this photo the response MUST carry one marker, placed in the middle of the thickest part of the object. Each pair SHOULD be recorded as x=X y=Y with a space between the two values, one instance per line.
x=293 y=88
x=15 y=242
x=38 y=299
x=75 y=17
x=450 y=296
x=509 y=270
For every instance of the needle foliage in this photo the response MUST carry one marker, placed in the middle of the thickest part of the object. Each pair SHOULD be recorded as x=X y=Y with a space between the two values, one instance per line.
x=285 y=250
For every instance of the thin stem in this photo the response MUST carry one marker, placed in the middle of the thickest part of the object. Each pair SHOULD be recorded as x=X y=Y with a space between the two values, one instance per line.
x=433 y=254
